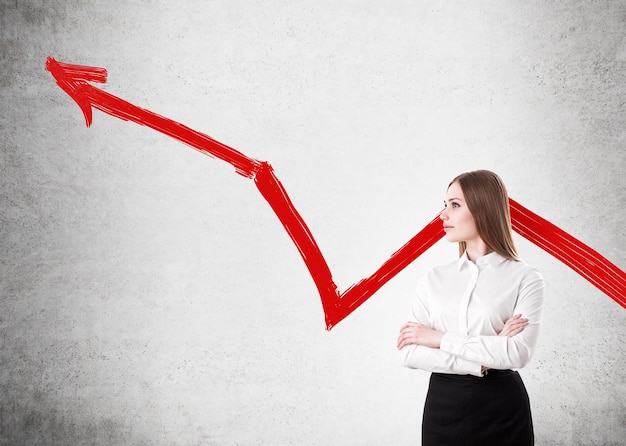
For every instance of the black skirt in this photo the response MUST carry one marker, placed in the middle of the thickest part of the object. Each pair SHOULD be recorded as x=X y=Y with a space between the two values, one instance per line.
x=464 y=410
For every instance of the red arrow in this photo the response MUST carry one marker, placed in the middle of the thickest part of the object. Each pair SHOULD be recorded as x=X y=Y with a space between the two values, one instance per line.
x=73 y=79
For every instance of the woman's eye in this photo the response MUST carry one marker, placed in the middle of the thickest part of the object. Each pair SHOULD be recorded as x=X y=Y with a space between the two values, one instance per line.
x=455 y=205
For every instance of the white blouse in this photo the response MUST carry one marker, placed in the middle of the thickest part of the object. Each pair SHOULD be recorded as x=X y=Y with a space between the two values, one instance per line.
x=470 y=303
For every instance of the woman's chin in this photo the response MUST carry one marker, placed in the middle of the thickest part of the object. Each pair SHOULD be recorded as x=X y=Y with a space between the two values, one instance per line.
x=450 y=238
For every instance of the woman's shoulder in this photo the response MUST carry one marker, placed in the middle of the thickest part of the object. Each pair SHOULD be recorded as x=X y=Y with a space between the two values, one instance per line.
x=526 y=270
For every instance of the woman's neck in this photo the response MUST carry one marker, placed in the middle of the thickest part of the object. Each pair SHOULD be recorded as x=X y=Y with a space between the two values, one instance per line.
x=476 y=249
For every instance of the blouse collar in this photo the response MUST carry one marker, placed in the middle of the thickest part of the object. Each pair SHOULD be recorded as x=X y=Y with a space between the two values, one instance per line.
x=491 y=259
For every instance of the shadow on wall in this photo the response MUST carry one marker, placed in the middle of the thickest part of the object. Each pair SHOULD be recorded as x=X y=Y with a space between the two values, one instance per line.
x=32 y=413
x=28 y=418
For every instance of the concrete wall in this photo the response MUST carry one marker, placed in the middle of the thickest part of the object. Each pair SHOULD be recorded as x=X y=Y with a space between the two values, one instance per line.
x=149 y=295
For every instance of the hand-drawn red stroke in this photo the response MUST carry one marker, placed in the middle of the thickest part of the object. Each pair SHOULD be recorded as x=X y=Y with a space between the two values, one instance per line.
x=587 y=262
x=607 y=277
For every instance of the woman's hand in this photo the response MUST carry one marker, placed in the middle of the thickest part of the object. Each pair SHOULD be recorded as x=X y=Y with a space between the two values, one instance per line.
x=514 y=326
x=418 y=334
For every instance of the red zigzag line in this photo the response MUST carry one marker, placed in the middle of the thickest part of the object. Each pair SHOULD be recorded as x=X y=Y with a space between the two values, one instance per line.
x=578 y=256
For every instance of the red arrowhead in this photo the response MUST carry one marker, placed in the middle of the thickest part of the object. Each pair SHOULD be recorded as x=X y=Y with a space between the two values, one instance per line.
x=584 y=260
x=73 y=80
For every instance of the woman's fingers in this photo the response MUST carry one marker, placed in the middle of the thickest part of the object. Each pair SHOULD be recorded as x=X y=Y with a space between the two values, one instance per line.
x=514 y=325
x=409 y=324
x=408 y=334
x=404 y=338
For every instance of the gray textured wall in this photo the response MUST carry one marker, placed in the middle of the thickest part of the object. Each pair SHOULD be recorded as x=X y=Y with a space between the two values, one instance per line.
x=148 y=295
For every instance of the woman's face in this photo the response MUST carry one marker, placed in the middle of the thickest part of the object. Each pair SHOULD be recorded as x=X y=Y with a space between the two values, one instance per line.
x=458 y=222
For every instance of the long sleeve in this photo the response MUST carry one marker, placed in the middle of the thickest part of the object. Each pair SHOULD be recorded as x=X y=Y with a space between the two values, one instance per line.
x=430 y=359
x=438 y=361
x=500 y=352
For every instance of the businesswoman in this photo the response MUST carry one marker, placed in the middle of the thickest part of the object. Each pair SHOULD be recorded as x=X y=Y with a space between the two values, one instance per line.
x=474 y=322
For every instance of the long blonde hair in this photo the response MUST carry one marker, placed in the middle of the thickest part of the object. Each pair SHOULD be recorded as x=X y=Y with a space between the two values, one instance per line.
x=488 y=201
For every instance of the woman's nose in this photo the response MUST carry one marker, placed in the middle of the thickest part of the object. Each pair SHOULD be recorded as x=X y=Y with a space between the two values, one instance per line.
x=443 y=215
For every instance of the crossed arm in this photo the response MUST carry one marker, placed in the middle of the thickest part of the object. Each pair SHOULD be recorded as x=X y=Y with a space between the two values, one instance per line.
x=415 y=333
x=428 y=343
